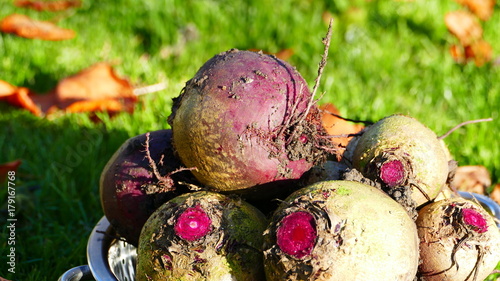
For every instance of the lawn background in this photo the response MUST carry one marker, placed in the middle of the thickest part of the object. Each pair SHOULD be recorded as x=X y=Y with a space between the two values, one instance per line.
x=385 y=57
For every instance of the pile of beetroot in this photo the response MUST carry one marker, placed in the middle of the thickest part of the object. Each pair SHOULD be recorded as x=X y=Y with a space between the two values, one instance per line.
x=247 y=185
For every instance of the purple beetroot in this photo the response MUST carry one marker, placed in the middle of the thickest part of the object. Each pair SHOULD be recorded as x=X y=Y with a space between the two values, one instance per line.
x=202 y=236
x=247 y=119
x=130 y=189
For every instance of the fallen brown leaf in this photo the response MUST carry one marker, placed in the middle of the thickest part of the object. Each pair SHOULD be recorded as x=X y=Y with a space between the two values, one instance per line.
x=98 y=83
x=96 y=88
x=6 y=89
x=284 y=54
x=18 y=96
x=336 y=126
x=5 y=168
x=457 y=53
x=465 y=26
x=472 y=179
x=480 y=52
x=495 y=194
x=26 y=27
x=110 y=105
x=483 y=9
x=52 y=6
x=327 y=16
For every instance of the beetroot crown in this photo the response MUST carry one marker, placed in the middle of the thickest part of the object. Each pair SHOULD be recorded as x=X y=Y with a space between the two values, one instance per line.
x=392 y=173
x=296 y=236
x=475 y=219
x=193 y=224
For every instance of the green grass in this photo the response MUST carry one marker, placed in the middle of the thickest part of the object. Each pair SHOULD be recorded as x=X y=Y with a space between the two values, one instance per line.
x=391 y=59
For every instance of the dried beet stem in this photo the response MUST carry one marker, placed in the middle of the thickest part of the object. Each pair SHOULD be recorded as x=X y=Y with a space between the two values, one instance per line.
x=463 y=124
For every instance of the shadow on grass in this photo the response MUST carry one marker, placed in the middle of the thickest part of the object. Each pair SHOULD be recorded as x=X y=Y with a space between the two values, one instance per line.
x=56 y=202
x=42 y=81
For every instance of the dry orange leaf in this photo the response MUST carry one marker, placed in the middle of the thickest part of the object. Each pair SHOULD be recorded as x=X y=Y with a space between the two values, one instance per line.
x=5 y=168
x=52 y=6
x=6 y=89
x=480 y=51
x=18 y=96
x=284 y=54
x=483 y=9
x=96 y=84
x=465 y=26
x=109 y=105
x=26 y=27
x=472 y=179
x=457 y=53
x=96 y=88
x=336 y=126
x=326 y=16
x=495 y=194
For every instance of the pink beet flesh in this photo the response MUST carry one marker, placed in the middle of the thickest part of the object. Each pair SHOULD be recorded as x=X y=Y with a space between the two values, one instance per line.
x=192 y=224
x=474 y=219
x=392 y=173
x=297 y=234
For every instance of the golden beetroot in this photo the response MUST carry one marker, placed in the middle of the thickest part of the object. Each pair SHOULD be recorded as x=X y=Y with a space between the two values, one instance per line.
x=340 y=230
x=202 y=236
x=459 y=240
x=400 y=152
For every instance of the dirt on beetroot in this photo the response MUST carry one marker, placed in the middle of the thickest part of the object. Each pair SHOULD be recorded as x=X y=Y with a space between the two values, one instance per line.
x=458 y=240
x=244 y=120
x=202 y=236
x=141 y=175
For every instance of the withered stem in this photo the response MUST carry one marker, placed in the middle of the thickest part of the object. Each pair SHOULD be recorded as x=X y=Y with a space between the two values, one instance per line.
x=463 y=124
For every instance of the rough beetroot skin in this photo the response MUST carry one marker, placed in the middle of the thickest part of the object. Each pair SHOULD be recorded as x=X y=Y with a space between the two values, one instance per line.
x=241 y=121
x=468 y=245
x=405 y=157
x=130 y=191
x=202 y=236
x=337 y=231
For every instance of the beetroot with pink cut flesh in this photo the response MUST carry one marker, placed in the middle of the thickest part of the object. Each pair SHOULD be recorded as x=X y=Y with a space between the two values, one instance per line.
x=202 y=236
x=459 y=240
x=405 y=157
x=247 y=119
x=129 y=188
x=340 y=230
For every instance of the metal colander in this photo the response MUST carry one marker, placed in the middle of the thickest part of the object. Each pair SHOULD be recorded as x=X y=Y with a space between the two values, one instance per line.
x=108 y=259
